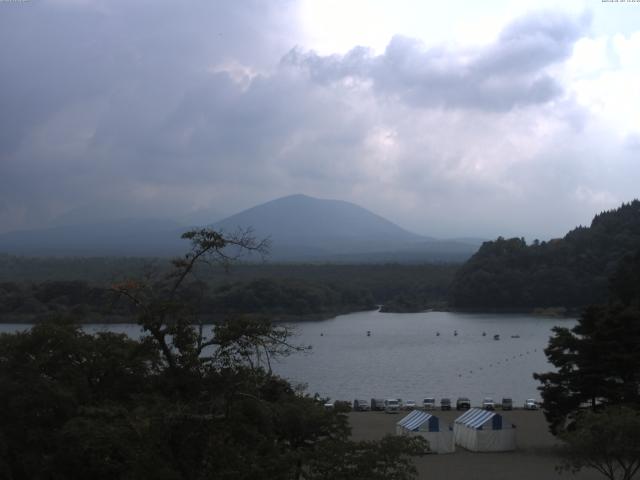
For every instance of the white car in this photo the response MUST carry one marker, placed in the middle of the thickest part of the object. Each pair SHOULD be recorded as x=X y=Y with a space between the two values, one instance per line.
x=410 y=405
x=530 y=404
x=429 y=403
x=488 y=403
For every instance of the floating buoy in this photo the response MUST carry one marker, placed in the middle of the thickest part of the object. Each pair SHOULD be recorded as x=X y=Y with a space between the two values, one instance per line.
x=455 y=333
x=484 y=334
x=437 y=334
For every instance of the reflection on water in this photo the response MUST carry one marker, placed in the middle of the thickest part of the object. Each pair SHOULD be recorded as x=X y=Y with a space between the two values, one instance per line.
x=412 y=356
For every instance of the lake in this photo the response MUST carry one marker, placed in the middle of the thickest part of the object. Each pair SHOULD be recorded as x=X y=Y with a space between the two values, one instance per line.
x=404 y=357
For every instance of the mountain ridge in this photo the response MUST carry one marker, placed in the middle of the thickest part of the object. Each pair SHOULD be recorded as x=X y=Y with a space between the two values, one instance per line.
x=301 y=228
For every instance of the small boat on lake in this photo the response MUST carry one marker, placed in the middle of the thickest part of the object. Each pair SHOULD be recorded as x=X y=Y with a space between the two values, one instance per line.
x=368 y=333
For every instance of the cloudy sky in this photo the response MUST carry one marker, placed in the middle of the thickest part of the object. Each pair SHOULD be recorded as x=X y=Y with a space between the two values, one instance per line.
x=453 y=118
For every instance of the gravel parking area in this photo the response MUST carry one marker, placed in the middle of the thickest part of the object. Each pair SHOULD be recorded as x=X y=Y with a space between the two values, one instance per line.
x=534 y=459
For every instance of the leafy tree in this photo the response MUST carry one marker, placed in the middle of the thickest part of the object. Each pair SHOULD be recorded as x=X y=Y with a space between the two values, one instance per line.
x=184 y=402
x=608 y=442
x=597 y=361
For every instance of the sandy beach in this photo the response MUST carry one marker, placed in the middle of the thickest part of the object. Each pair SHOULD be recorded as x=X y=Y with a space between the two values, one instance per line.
x=534 y=459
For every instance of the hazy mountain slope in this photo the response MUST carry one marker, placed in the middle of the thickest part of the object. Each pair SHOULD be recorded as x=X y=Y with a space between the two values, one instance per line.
x=123 y=237
x=303 y=228
x=303 y=220
x=300 y=228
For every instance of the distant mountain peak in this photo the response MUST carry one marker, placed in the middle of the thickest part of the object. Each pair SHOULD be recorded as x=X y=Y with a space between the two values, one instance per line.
x=297 y=217
x=300 y=227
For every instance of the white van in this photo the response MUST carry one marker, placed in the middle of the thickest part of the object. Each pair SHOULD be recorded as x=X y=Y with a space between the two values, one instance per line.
x=392 y=405
x=429 y=403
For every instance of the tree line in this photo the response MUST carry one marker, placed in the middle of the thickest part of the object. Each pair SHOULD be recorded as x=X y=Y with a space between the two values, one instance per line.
x=571 y=272
x=283 y=292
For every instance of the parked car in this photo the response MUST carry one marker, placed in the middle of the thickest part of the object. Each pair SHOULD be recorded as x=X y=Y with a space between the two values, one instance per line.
x=391 y=405
x=377 y=404
x=360 y=405
x=507 y=404
x=530 y=404
x=329 y=406
x=410 y=405
x=445 y=404
x=429 y=403
x=488 y=403
x=463 y=403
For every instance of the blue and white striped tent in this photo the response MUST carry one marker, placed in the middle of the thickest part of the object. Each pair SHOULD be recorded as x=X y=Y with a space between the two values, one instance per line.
x=428 y=427
x=484 y=431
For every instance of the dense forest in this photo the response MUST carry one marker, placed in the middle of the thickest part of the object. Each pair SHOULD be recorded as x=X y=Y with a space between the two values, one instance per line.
x=570 y=273
x=82 y=288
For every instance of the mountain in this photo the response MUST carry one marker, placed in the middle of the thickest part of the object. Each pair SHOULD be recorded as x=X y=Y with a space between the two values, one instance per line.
x=571 y=272
x=319 y=226
x=306 y=228
x=301 y=229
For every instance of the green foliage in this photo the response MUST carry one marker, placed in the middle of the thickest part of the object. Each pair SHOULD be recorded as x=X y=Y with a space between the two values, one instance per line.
x=389 y=459
x=182 y=403
x=508 y=274
x=286 y=297
x=608 y=442
x=49 y=377
x=281 y=291
x=597 y=361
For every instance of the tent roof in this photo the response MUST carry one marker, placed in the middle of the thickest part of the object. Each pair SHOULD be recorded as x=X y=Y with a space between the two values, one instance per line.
x=475 y=418
x=415 y=420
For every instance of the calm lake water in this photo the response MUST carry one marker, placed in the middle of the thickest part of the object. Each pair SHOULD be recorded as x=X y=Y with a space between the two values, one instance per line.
x=404 y=357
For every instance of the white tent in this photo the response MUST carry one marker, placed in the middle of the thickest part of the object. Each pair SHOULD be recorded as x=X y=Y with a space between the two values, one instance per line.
x=484 y=431
x=427 y=426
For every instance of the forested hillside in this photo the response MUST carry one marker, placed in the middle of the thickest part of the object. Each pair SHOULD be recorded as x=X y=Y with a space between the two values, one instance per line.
x=33 y=289
x=571 y=272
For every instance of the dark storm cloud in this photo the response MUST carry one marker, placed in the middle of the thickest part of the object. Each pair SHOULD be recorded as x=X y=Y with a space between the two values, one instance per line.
x=90 y=90
x=511 y=72
x=120 y=109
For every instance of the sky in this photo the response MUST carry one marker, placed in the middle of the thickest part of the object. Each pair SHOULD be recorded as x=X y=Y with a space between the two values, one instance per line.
x=451 y=119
